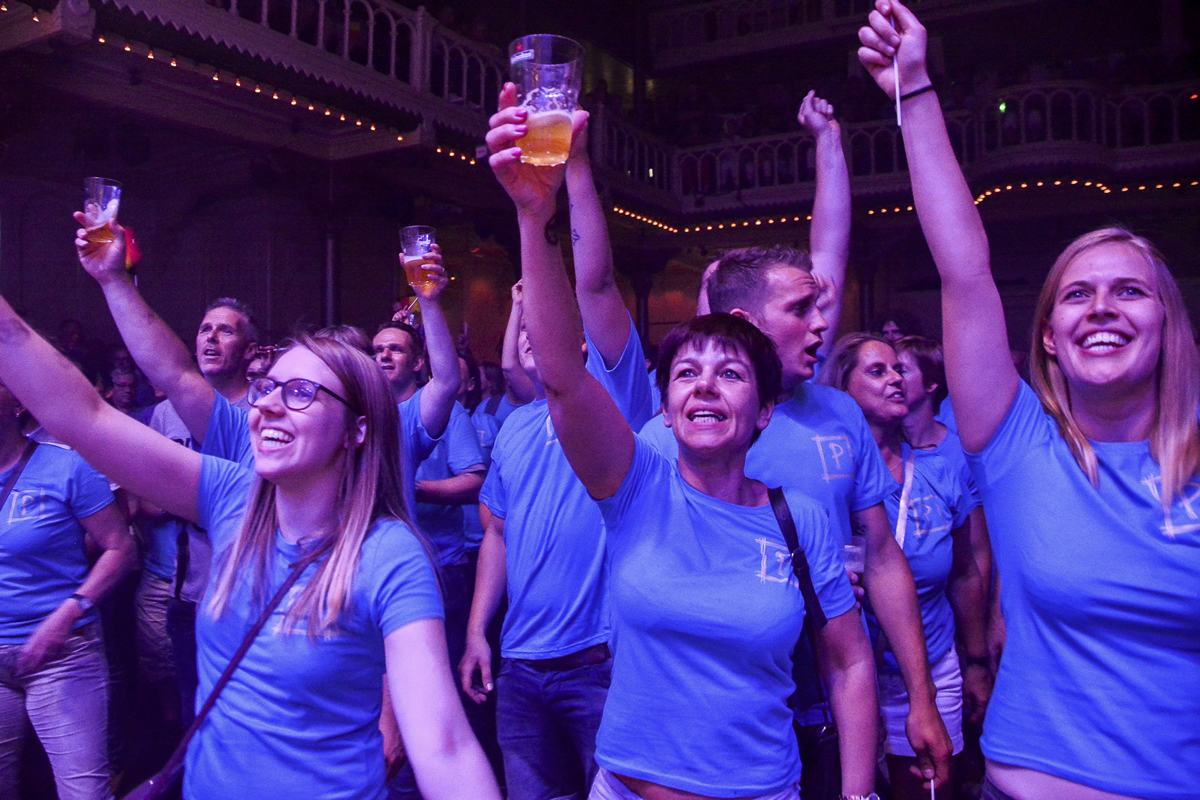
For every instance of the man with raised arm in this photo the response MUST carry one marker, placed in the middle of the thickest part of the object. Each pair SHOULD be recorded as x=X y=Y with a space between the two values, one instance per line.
x=819 y=440
x=544 y=537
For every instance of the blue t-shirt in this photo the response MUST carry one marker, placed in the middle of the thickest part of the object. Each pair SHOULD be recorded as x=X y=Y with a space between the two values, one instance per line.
x=300 y=716
x=161 y=536
x=951 y=449
x=938 y=504
x=454 y=453
x=1100 y=680
x=706 y=614
x=43 y=560
x=228 y=437
x=486 y=428
x=553 y=532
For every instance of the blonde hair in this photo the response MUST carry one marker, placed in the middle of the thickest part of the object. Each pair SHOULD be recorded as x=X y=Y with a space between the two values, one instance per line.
x=1175 y=437
x=370 y=490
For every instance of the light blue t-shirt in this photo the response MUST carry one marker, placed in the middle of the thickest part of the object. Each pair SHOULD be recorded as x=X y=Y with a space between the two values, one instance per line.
x=43 y=560
x=300 y=717
x=1100 y=680
x=454 y=453
x=486 y=428
x=228 y=437
x=939 y=503
x=161 y=536
x=553 y=532
x=706 y=614
x=817 y=442
x=951 y=449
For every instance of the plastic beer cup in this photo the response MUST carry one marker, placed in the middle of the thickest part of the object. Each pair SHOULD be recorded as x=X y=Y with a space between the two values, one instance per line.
x=102 y=198
x=415 y=242
x=548 y=73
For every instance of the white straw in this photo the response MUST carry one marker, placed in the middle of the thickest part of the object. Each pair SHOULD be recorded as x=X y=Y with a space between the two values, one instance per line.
x=932 y=793
x=896 y=75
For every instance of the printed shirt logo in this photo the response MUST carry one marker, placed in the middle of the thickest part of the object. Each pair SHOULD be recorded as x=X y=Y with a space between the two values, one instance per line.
x=921 y=514
x=837 y=459
x=27 y=506
x=1172 y=526
x=775 y=565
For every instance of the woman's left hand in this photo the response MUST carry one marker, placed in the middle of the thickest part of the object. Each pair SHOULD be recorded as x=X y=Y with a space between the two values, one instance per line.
x=45 y=643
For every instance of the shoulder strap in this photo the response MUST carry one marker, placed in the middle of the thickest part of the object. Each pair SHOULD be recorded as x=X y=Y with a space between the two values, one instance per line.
x=17 y=470
x=813 y=613
x=905 y=500
x=177 y=757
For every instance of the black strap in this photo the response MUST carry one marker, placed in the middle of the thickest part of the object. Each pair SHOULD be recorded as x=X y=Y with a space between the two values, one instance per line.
x=176 y=758
x=493 y=403
x=814 y=615
x=17 y=470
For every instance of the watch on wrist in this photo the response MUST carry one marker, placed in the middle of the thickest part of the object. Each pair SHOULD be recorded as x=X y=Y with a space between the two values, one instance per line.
x=871 y=796
x=85 y=605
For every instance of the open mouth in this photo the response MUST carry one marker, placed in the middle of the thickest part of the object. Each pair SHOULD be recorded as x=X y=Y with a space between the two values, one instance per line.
x=1102 y=342
x=272 y=438
x=706 y=416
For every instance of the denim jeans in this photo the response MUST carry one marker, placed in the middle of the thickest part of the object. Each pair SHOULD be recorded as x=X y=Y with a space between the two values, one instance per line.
x=546 y=722
x=67 y=703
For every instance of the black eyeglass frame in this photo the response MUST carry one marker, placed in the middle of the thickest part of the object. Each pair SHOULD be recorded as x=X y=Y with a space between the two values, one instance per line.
x=283 y=385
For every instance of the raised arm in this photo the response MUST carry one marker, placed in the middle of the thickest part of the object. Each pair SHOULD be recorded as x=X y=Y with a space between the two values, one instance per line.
x=520 y=389
x=829 y=236
x=605 y=317
x=982 y=379
x=594 y=436
x=142 y=461
x=158 y=352
x=437 y=400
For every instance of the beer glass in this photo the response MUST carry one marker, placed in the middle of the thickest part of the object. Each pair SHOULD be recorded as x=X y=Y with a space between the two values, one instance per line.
x=102 y=198
x=854 y=555
x=416 y=241
x=548 y=72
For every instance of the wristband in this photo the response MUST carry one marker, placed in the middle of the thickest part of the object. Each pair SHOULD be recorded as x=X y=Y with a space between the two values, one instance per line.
x=916 y=92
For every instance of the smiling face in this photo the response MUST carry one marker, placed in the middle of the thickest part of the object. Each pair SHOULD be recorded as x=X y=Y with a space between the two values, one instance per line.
x=876 y=385
x=397 y=353
x=300 y=446
x=223 y=345
x=791 y=319
x=712 y=401
x=1106 y=326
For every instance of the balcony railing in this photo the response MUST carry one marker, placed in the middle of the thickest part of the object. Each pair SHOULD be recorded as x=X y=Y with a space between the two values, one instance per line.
x=376 y=48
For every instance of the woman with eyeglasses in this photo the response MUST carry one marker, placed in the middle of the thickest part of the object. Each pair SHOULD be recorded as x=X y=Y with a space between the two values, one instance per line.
x=299 y=717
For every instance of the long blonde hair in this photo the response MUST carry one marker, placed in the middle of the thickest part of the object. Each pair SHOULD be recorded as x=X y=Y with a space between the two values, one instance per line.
x=1175 y=437
x=370 y=490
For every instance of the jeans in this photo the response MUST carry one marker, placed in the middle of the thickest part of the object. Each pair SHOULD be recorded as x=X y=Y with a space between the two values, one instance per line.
x=546 y=722
x=67 y=703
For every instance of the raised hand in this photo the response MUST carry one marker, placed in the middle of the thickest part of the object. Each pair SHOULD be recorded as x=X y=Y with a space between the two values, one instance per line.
x=430 y=289
x=906 y=42
x=530 y=187
x=816 y=115
x=104 y=262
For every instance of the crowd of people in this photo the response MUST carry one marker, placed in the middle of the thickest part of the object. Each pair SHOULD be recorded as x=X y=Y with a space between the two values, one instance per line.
x=784 y=564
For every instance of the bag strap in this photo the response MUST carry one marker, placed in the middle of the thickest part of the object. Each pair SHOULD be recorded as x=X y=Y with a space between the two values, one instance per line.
x=814 y=615
x=181 y=749
x=17 y=470
x=905 y=499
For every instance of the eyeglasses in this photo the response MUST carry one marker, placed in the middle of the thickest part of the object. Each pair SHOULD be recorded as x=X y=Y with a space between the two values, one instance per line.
x=298 y=393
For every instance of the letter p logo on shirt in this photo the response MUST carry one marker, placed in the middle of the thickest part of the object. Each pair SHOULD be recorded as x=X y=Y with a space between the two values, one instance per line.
x=837 y=459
